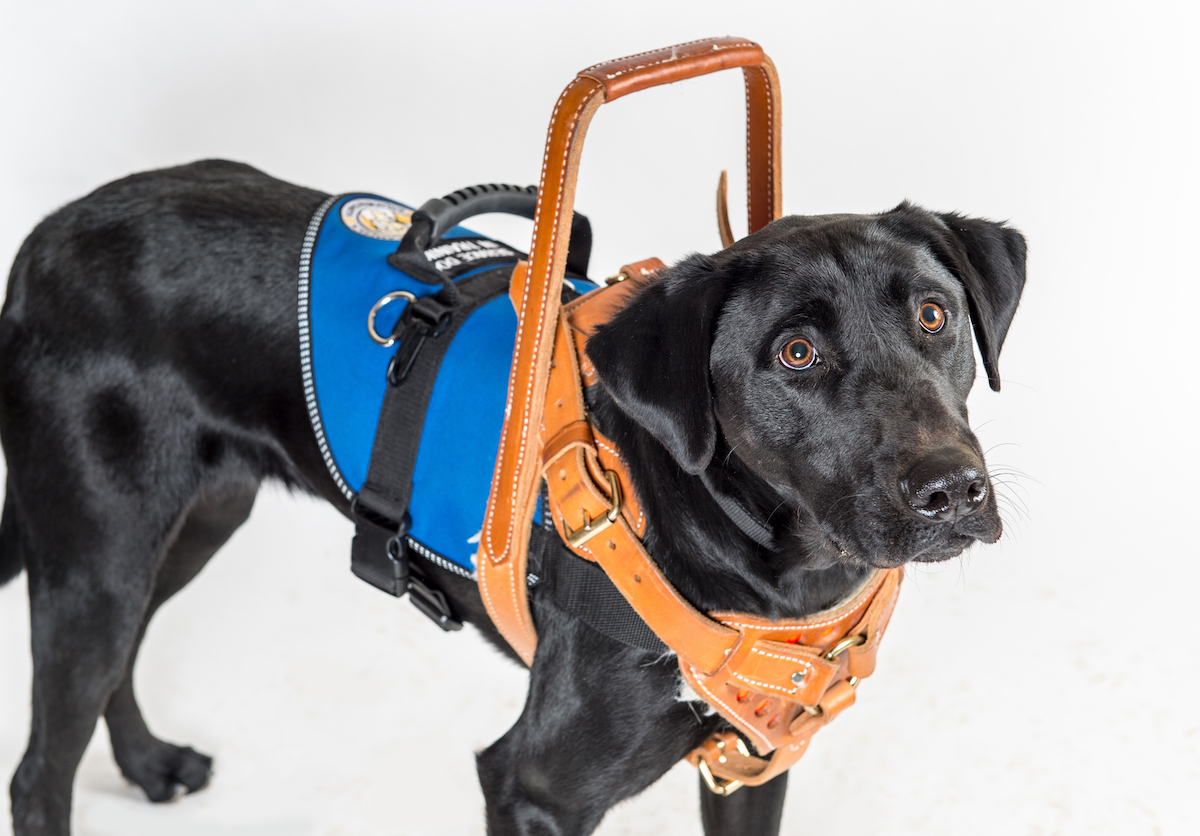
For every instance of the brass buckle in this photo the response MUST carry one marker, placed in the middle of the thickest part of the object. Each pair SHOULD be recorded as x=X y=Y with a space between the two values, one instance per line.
x=832 y=655
x=577 y=537
x=717 y=785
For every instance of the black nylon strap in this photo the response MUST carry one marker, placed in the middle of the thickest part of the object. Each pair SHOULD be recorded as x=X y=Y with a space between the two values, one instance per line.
x=583 y=590
x=388 y=486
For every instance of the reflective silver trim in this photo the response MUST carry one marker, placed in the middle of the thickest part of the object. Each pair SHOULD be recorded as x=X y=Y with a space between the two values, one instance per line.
x=436 y=559
x=306 y=371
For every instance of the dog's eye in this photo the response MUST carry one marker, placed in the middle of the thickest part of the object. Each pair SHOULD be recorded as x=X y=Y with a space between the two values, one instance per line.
x=799 y=354
x=932 y=317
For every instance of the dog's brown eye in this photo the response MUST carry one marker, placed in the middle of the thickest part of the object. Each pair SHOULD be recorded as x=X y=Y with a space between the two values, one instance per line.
x=798 y=354
x=932 y=317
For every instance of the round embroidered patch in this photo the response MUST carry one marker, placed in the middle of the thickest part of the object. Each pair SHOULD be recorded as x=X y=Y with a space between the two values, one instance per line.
x=376 y=218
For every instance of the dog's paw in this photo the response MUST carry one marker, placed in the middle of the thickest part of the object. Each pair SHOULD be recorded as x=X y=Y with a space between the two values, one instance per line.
x=165 y=772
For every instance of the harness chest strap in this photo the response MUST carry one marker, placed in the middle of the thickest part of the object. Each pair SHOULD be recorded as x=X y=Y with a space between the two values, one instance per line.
x=775 y=681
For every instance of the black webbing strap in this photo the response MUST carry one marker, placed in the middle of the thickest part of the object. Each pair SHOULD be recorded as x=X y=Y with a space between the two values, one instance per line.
x=424 y=333
x=582 y=589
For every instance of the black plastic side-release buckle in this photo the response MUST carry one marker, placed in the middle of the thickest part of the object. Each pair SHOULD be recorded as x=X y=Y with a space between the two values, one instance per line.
x=432 y=602
x=425 y=319
x=379 y=556
x=377 y=553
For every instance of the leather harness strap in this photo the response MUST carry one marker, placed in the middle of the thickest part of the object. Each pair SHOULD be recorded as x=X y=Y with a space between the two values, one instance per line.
x=537 y=284
x=775 y=682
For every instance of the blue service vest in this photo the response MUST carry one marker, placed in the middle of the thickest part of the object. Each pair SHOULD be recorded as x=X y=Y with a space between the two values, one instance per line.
x=343 y=272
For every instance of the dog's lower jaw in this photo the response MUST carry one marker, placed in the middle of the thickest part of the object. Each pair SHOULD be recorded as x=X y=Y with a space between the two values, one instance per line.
x=939 y=545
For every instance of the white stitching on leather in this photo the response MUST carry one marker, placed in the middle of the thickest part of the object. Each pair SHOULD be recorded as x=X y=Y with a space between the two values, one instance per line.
x=784 y=658
x=517 y=347
x=770 y=142
x=673 y=57
x=749 y=177
x=749 y=681
x=716 y=48
x=787 y=628
x=508 y=406
x=770 y=184
x=640 y=54
x=600 y=443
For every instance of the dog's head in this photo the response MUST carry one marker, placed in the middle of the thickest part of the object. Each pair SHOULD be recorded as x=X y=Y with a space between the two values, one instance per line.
x=832 y=356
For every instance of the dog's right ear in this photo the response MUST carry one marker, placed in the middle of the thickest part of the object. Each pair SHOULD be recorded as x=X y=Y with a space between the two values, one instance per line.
x=988 y=258
x=653 y=358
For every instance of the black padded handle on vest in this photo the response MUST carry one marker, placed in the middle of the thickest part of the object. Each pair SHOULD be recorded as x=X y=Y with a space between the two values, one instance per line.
x=439 y=215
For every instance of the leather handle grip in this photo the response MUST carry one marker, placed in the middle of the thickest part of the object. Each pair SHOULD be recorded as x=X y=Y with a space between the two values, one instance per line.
x=696 y=58
x=537 y=285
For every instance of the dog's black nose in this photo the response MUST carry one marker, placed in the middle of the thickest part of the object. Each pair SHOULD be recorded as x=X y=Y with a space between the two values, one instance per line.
x=946 y=485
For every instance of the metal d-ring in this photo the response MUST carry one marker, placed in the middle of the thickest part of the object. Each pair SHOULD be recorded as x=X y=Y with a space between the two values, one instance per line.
x=844 y=644
x=377 y=307
x=832 y=655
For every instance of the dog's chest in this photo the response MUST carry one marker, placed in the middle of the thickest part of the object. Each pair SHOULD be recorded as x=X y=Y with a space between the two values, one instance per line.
x=344 y=273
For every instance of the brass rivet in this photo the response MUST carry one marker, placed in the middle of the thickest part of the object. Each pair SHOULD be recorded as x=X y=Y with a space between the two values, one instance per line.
x=612 y=544
x=637 y=578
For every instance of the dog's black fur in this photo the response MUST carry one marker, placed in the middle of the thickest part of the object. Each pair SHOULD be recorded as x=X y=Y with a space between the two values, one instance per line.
x=149 y=382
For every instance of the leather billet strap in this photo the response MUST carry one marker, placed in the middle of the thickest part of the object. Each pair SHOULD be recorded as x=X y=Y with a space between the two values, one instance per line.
x=536 y=287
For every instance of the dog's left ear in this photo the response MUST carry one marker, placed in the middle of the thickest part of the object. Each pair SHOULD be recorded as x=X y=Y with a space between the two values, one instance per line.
x=987 y=257
x=653 y=359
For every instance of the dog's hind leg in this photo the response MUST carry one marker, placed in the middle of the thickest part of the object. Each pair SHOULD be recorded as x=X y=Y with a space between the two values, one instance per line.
x=93 y=584
x=89 y=584
x=106 y=467
x=163 y=769
x=750 y=811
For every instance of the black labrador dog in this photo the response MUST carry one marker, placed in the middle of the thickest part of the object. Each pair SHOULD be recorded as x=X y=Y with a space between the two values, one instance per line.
x=150 y=382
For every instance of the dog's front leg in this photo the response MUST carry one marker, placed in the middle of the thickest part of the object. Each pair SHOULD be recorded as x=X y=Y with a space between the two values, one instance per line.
x=601 y=723
x=750 y=811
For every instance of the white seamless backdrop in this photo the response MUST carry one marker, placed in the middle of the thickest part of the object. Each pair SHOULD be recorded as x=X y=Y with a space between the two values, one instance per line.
x=1046 y=685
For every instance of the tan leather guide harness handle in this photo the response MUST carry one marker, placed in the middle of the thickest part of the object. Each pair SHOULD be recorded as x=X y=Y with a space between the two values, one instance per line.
x=537 y=285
